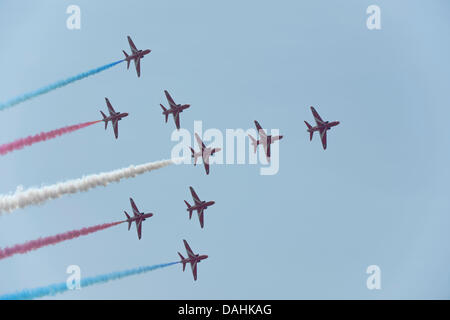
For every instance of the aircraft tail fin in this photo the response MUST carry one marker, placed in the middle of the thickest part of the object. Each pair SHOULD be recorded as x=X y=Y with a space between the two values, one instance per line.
x=126 y=58
x=310 y=132
x=182 y=260
x=104 y=117
x=254 y=143
x=164 y=112
x=189 y=207
x=129 y=222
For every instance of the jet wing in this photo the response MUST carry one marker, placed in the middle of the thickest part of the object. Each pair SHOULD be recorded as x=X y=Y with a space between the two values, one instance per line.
x=139 y=229
x=116 y=128
x=137 y=63
x=110 y=107
x=133 y=206
x=206 y=163
x=176 y=117
x=200 y=142
x=318 y=119
x=169 y=98
x=132 y=46
x=261 y=132
x=323 y=137
x=194 y=269
x=200 y=217
x=194 y=196
x=188 y=249
x=267 y=149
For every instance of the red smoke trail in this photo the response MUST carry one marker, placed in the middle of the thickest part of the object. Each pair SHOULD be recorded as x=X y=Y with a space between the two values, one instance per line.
x=43 y=242
x=28 y=141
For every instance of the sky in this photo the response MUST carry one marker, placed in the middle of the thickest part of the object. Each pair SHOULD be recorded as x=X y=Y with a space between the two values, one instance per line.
x=377 y=196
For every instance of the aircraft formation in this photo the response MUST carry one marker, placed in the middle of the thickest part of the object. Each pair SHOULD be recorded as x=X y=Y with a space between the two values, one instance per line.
x=199 y=206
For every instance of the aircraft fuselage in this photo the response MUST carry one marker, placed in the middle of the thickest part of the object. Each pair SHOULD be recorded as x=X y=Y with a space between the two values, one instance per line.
x=206 y=152
x=176 y=109
x=202 y=205
x=269 y=139
x=141 y=217
x=118 y=116
x=138 y=55
x=198 y=258
x=327 y=126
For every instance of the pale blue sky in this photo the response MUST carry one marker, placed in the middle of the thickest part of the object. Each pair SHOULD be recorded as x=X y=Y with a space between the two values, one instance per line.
x=377 y=195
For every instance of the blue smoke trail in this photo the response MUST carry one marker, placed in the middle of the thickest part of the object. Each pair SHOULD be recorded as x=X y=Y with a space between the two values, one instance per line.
x=54 y=289
x=53 y=86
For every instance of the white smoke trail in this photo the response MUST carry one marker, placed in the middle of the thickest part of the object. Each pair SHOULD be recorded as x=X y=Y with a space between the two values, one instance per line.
x=23 y=198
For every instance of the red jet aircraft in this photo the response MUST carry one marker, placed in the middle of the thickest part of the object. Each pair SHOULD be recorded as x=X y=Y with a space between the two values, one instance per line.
x=264 y=140
x=135 y=55
x=175 y=109
x=322 y=127
x=192 y=258
x=204 y=152
x=138 y=218
x=199 y=205
x=114 y=117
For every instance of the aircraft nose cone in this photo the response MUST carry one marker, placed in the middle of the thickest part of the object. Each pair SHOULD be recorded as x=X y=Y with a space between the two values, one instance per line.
x=125 y=114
